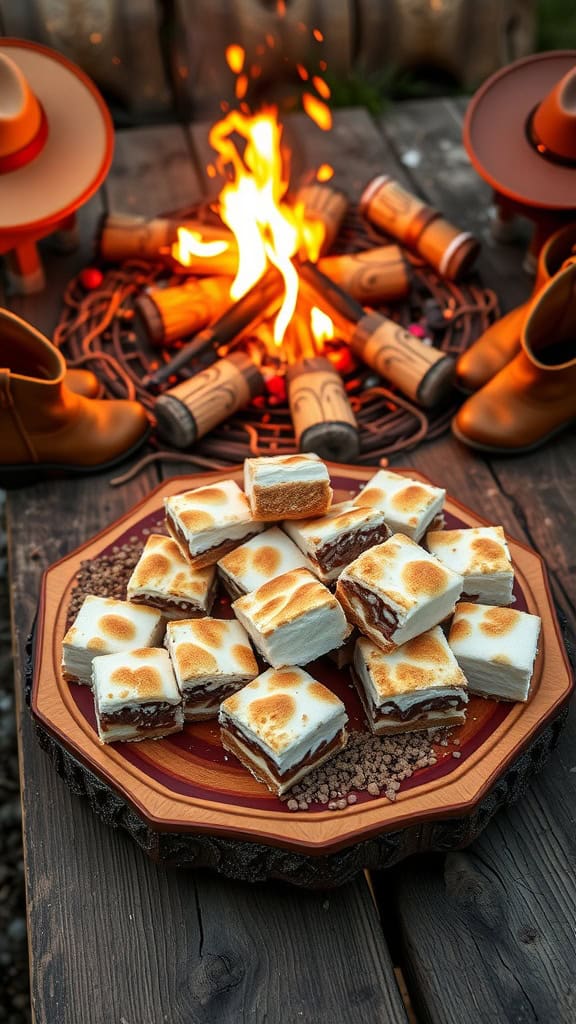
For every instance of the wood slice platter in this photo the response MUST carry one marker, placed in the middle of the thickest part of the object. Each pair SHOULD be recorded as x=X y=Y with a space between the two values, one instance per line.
x=188 y=803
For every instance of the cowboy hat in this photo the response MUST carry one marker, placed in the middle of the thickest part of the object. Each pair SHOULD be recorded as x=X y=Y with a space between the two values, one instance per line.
x=520 y=130
x=56 y=137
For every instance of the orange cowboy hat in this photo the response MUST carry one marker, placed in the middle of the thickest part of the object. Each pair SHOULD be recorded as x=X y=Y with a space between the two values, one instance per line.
x=520 y=130
x=56 y=137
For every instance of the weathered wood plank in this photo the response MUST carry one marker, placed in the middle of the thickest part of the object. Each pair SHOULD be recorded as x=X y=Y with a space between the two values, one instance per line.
x=152 y=172
x=503 y=910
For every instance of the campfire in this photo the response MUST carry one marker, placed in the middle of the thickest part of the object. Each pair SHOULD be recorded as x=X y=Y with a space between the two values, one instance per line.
x=254 y=304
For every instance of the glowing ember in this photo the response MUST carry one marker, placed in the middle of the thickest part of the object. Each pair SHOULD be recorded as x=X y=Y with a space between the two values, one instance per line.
x=324 y=172
x=235 y=58
x=321 y=324
x=317 y=111
x=321 y=87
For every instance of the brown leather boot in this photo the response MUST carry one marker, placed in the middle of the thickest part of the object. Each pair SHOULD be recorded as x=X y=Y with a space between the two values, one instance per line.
x=534 y=396
x=501 y=342
x=82 y=382
x=46 y=427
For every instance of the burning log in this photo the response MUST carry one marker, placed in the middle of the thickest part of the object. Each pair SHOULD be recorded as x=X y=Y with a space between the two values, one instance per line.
x=123 y=236
x=192 y=408
x=169 y=314
x=327 y=205
x=389 y=206
x=373 y=276
x=255 y=304
x=420 y=371
x=321 y=413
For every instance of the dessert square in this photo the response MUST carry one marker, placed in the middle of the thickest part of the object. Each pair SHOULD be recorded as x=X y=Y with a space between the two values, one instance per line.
x=397 y=590
x=259 y=560
x=334 y=540
x=282 y=726
x=481 y=556
x=496 y=649
x=212 y=658
x=293 y=619
x=409 y=506
x=417 y=686
x=106 y=626
x=287 y=486
x=136 y=696
x=208 y=522
x=164 y=579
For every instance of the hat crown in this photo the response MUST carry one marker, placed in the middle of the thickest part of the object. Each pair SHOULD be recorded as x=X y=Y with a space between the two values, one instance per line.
x=20 y=113
x=554 y=122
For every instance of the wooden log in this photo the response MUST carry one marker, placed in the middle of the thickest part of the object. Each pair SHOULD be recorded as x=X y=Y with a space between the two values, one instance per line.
x=124 y=236
x=372 y=277
x=391 y=207
x=193 y=407
x=168 y=314
x=321 y=413
x=327 y=206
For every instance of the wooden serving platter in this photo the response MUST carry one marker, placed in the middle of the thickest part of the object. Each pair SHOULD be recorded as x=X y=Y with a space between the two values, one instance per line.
x=186 y=802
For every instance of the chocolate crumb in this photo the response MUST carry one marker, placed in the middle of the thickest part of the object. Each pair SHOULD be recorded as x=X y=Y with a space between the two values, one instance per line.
x=292 y=805
x=105 y=576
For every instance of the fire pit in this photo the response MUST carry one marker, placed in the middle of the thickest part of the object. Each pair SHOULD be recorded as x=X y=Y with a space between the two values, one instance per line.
x=271 y=285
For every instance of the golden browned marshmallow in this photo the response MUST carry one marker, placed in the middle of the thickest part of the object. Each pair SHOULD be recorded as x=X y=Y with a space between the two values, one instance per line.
x=293 y=619
x=164 y=579
x=259 y=560
x=106 y=626
x=136 y=696
x=334 y=540
x=409 y=688
x=496 y=649
x=212 y=658
x=209 y=521
x=282 y=725
x=287 y=486
x=409 y=506
x=481 y=556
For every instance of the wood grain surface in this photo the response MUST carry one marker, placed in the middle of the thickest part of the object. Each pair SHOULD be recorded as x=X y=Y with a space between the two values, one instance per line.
x=481 y=935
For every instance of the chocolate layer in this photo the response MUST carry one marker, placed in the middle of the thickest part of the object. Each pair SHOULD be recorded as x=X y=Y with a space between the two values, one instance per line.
x=164 y=604
x=230 y=731
x=209 y=555
x=338 y=553
x=376 y=612
x=416 y=714
x=154 y=716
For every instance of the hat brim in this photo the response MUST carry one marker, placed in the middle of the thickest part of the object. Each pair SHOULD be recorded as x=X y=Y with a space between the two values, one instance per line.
x=78 y=151
x=496 y=139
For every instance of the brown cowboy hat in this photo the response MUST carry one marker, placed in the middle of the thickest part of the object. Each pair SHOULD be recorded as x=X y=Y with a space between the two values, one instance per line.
x=56 y=137
x=520 y=130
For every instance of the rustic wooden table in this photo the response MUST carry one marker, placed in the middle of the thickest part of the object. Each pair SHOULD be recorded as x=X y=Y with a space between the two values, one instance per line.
x=482 y=935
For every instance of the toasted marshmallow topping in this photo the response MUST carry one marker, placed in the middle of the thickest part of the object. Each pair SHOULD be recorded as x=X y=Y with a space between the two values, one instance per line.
x=423 y=668
x=341 y=520
x=141 y=676
x=105 y=626
x=293 y=619
x=209 y=515
x=496 y=648
x=409 y=506
x=210 y=650
x=163 y=572
x=282 y=469
x=481 y=556
x=287 y=713
x=260 y=560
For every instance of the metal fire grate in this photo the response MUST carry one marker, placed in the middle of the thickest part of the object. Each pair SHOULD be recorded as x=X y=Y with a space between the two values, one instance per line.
x=96 y=329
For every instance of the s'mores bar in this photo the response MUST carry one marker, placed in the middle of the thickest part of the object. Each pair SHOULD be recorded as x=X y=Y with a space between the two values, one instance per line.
x=481 y=556
x=210 y=521
x=136 y=696
x=410 y=688
x=409 y=506
x=212 y=658
x=282 y=726
x=106 y=626
x=293 y=619
x=259 y=560
x=397 y=590
x=331 y=542
x=164 y=579
x=496 y=649
x=287 y=486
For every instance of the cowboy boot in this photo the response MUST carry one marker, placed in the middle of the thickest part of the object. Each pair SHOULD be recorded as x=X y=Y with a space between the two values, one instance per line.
x=534 y=396
x=44 y=426
x=501 y=342
x=82 y=382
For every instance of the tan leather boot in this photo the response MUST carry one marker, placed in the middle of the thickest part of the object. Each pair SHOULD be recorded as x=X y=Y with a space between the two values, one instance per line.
x=534 y=396
x=46 y=427
x=501 y=342
x=82 y=382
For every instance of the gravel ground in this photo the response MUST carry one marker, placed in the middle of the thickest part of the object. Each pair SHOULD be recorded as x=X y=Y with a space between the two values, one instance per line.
x=14 y=993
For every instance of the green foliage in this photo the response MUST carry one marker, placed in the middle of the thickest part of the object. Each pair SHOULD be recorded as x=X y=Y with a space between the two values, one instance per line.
x=556 y=25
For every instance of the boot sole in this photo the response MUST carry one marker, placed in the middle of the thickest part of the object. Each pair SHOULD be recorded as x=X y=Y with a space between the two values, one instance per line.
x=492 y=450
x=12 y=477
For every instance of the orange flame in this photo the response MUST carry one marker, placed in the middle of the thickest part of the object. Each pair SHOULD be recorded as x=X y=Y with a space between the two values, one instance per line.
x=317 y=111
x=321 y=325
x=190 y=243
